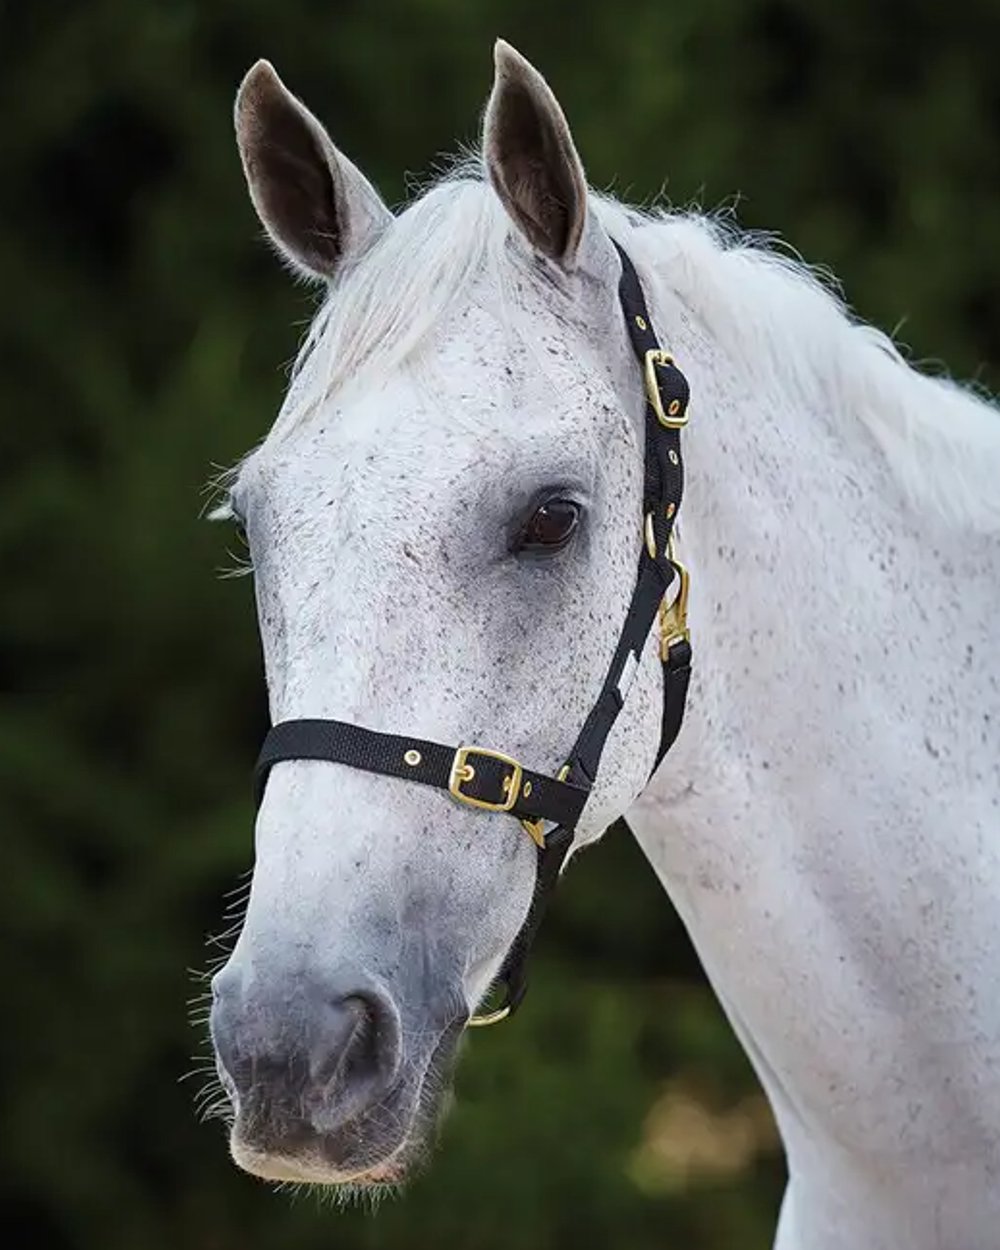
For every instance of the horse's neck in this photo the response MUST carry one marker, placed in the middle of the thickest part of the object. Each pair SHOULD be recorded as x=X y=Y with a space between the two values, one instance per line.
x=827 y=823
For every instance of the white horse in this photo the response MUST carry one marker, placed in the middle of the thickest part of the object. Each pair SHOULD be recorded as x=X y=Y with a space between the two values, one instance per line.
x=828 y=823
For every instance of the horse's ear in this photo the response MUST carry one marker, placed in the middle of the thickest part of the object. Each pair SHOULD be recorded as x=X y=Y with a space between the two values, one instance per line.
x=531 y=159
x=316 y=206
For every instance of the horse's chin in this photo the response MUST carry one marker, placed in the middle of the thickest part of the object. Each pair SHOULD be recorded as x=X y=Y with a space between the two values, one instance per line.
x=313 y=1167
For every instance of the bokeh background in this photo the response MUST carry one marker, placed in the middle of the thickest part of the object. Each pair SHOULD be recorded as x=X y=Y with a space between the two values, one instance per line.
x=145 y=333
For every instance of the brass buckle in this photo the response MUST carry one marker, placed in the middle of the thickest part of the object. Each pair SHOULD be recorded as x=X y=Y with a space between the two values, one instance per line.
x=462 y=771
x=674 y=615
x=657 y=356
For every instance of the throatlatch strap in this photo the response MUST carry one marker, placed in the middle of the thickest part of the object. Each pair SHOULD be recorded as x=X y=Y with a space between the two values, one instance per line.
x=676 y=675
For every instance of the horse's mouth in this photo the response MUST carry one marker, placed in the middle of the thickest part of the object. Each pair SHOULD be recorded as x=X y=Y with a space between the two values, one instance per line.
x=379 y=1149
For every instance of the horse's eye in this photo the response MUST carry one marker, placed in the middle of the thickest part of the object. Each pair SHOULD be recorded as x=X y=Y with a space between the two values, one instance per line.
x=551 y=527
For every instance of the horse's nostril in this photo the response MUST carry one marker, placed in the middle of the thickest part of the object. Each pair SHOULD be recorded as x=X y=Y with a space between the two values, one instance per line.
x=356 y=1046
x=316 y=1048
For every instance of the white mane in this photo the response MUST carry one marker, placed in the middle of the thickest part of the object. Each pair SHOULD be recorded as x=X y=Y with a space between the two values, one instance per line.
x=942 y=441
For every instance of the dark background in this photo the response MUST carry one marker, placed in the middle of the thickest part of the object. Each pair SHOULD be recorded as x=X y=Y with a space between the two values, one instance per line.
x=145 y=331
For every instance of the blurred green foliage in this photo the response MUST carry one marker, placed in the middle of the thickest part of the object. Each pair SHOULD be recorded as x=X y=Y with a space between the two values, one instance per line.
x=145 y=329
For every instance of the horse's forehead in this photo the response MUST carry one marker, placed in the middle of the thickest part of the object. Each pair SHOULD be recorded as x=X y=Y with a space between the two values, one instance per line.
x=490 y=366
x=478 y=405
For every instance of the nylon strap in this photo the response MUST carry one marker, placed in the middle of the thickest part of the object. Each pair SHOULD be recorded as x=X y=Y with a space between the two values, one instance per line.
x=415 y=759
x=494 y=781
x=663 y=488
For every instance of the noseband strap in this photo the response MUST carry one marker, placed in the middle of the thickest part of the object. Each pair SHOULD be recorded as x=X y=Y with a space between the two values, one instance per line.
x=485 y=779
x=492 y=781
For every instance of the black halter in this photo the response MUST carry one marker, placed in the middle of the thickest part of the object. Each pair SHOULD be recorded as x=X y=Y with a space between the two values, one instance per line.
x=494 y=782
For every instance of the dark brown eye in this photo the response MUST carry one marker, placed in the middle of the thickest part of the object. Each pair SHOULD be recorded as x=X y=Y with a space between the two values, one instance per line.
x=551 y=527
